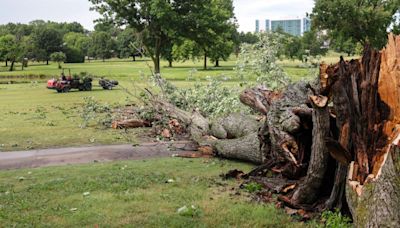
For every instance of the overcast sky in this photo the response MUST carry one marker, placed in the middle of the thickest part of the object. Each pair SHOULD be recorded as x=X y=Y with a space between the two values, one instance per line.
x=247 y=11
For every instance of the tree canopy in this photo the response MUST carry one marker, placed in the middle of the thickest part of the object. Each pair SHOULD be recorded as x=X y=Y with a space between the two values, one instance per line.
x=158 y=22
x=362 y=21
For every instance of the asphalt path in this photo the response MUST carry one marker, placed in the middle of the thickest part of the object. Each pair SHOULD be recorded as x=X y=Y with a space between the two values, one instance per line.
x=89 y=154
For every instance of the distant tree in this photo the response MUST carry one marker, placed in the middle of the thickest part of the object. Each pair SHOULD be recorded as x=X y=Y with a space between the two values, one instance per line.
x=102 y=45
x=153 y=20
x=11 y=49
x=214 y=23
x=221 y=49
x=186 y=50
x=127 y=44
x=361 y=21
x=158 y=22
x=70 y=39
x=249 y=38
x=107 y=26
x=77 y=41
x=340 y=44
x=47 y=40
x=73 y=55
x=166 y=51
x=74 y=27
x=293 y=47
x=314 y=43
x=58 y=57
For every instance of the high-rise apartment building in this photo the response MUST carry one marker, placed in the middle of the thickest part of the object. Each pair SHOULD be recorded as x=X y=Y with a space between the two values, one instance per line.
x=295 y=27
x=267 y=25
x=257 y=25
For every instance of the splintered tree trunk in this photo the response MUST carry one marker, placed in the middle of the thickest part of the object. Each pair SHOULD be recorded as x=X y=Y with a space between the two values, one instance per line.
x=377 y=201
x=366 y=101
x=377 y=204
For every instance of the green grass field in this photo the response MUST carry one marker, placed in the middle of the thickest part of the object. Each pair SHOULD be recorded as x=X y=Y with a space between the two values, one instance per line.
x=133 y=194
x=128 y=70
x=33 y=117
x=129 y=193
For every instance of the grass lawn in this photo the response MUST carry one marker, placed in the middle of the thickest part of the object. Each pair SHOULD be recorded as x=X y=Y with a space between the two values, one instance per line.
x=134 y=194
x=126 y=69
x=34 y=117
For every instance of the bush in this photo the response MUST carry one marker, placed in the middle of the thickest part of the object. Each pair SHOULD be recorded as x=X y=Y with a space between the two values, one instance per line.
x=74 y=55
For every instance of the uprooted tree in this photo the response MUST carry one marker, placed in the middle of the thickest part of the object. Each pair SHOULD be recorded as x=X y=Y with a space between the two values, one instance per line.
x=331 y=143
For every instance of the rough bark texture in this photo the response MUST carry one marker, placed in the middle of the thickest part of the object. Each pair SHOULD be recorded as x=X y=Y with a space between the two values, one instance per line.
x=366 y=102
x=245 y=148
x=308 y=190
x=377 y=203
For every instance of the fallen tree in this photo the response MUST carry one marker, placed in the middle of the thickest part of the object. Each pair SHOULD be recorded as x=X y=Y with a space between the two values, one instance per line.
x=332 y=143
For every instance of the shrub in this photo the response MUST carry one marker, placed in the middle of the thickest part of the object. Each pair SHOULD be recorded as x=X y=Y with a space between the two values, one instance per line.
x=74 y=55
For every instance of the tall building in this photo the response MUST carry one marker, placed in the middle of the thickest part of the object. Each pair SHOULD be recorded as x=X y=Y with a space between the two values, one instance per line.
x=291 y=26
x=295 y=27
x=267 y=25
x=257 y=25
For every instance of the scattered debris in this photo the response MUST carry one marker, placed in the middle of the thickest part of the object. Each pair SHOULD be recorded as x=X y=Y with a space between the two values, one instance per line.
x=237 y=174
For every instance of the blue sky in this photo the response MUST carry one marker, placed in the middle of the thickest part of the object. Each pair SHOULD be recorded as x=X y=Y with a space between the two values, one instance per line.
x=247 y=11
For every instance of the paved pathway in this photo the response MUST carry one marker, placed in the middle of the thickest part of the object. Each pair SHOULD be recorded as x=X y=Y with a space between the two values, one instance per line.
x=79 y=155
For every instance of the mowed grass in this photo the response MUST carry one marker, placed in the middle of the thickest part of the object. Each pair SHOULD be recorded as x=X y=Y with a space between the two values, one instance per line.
x=129 y=70
x=133 y=194
x=32 y=117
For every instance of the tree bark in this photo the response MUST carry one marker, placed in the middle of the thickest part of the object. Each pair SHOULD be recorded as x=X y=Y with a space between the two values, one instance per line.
x=169 y=63
x=308 y=191
x=205 y=61
x=217 y=63
x=377 y=203
x=366 y=104
x=12 y=65
x=245 y=148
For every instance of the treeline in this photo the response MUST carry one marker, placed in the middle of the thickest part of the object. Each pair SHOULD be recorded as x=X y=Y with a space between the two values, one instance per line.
x=173 y=31
x=40 y=41
x=69 y=42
